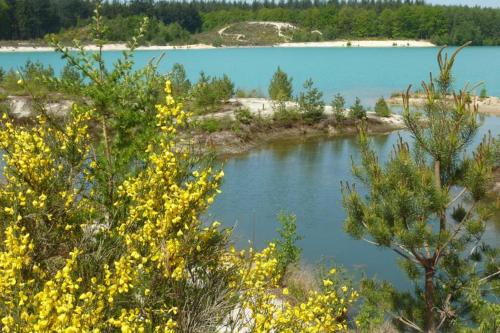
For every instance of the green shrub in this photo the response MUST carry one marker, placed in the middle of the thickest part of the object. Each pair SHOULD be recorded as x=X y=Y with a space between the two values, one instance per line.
x=71 y=81
x=496 y=152
x=11 y=83
x=218 y=42
x=208 y=93
x=36 y=71
x=210 y=125
x=381 y=108
x=122 y=28
x=223 y=88
x=280 y=87
x=283 y=115
x=2 y=74
x=243 y=115
x=483 y=93
x=180 y=83
x=254 y=93
x=310 y=103
x=287 y=251
x=214 y=124
x=357 y=110
x=338 y=107
x=171 y=33
x=34 y=76
x=202 y=94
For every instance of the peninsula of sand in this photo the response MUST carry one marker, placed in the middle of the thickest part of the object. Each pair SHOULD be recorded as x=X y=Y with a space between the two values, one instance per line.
x=337 y=43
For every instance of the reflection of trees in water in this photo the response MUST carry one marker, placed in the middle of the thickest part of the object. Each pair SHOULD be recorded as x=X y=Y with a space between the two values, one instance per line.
x=281 y=150
x=380 y=140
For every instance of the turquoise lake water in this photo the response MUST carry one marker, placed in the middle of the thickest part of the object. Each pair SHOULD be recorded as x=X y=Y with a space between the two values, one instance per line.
x=303 y=176
x=364 y=72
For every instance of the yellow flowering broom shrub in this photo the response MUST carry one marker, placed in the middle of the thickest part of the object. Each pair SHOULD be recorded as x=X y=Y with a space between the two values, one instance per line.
x=145 y=263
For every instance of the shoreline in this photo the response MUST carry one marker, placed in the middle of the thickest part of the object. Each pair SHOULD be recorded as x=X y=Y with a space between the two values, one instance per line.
x=227 y=144
x=326 y=44
x=488 y=105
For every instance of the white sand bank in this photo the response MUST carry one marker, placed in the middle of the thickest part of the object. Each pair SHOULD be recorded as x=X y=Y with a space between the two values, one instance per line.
x=362 y=43
x=340 y=43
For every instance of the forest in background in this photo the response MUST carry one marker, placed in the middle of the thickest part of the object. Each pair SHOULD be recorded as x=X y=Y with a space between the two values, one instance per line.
x=179 y=22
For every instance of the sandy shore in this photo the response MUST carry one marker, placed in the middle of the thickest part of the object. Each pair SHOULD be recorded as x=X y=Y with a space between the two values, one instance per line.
x=265 y=108
x=108 y=47
x=362 y=43
x=488 y=105
x=343 y=43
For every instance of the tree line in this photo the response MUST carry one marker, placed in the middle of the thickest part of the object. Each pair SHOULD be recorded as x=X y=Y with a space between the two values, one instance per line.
x=335 y=19
x=103 y=210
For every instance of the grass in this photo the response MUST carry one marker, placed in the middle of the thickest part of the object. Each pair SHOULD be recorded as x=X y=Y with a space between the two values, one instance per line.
x=214 y=124
x=254 y=93
x=250 y=34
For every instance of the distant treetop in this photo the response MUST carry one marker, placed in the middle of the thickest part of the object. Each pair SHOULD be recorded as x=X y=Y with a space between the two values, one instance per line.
x=335 y=19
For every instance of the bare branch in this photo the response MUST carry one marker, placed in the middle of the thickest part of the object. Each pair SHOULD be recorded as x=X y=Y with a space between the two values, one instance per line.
x=489 y=276
x=457 y=197
x=407 y=322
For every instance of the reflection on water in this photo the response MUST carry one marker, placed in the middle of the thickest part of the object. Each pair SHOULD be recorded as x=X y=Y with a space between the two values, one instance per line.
x=304 y=178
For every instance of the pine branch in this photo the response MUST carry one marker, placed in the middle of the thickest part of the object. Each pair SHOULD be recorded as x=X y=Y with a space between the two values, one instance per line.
x=407 y=322
x=397 y=250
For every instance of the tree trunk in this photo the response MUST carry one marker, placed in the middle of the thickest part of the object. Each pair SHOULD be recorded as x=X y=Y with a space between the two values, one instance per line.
x=430 y=323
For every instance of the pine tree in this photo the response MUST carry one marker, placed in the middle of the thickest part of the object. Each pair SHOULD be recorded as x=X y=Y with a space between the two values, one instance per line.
x=280 y=87
x=180 y=82
x=310 y=102
x=338 y=106
x=381 y=108
x=357 y=111
x=423 y=204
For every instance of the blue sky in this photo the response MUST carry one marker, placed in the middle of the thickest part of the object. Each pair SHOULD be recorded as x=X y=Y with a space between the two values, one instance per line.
x=484 y=3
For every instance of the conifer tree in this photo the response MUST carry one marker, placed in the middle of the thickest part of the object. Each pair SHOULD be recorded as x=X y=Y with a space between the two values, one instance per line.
x=180 y=82
x=280 y=87
x=338 y=106
x=310 y=102
x=357 y=110
x=381 y=108
x=423 y=204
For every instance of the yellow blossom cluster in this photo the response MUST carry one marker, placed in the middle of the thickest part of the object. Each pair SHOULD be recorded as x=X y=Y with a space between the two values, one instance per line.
x=69 y=263
x=266 y=311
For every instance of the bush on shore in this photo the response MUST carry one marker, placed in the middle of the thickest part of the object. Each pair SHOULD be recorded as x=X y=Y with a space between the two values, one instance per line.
x=357 y=110
x=381 y=108
x=210 y=92
x=338 y=106
x=311 y=105
x=280 y=87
